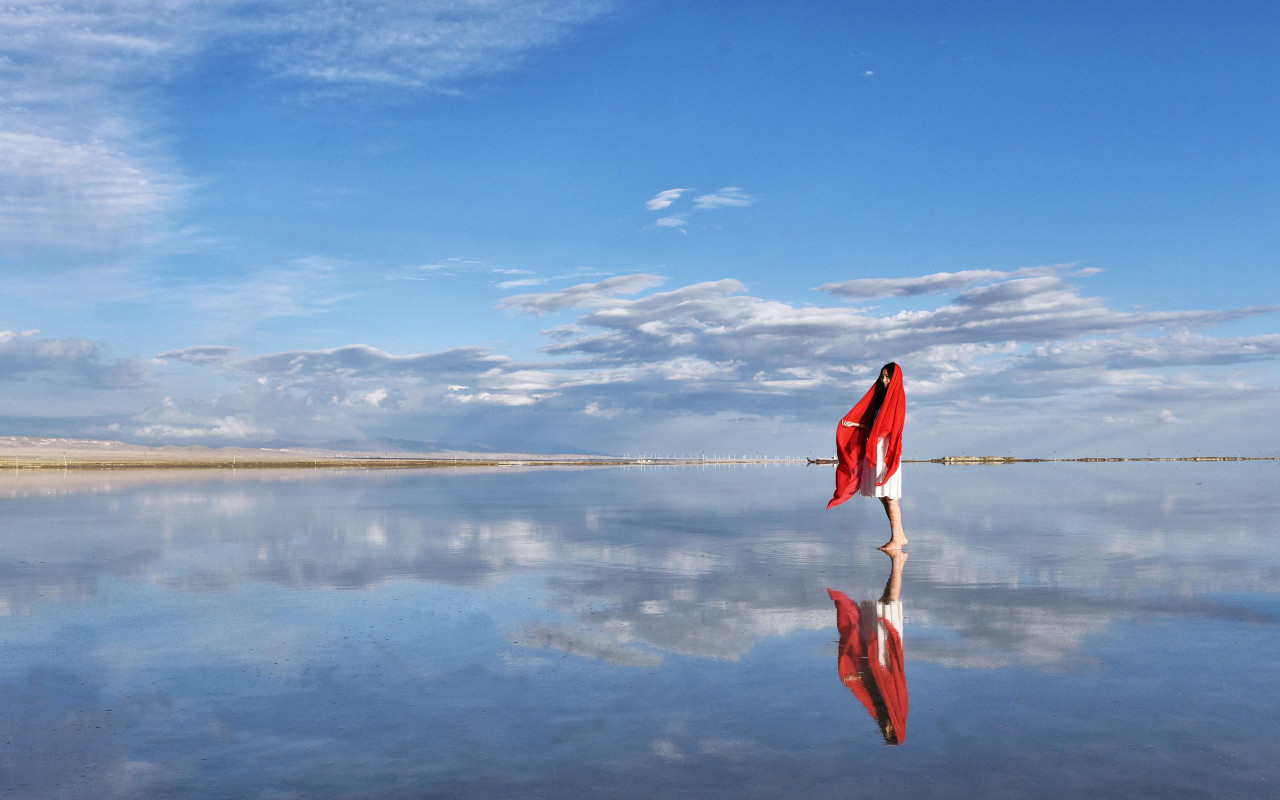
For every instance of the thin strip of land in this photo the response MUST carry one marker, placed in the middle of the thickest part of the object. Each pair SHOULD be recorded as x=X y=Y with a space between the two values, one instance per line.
x=1087 y=459
x=43 y=453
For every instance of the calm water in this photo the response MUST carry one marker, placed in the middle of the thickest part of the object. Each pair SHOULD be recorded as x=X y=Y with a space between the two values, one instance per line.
x=1069 y=631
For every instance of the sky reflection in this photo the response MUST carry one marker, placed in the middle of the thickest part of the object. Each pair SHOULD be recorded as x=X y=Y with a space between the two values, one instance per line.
x=663 y=630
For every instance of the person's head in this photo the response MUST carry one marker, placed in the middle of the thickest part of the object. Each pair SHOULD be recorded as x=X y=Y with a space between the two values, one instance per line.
x=886 y=374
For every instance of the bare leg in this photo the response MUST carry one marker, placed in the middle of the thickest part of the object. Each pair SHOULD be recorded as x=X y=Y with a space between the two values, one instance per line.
x=894 y=512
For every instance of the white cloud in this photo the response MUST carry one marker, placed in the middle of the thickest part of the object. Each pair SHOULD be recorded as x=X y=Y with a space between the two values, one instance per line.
x=521 y=283
x=257 y=412
x=305 y=287
x=416 y=44
x=664 y=199
x=200 y=354
x=79 y=166
x=216 y=429
x=168 y=422
x=583 y=294
x=1016 y=359
x=710 y=348
x=728 y=197
x=90 y=193
x=25 y=357
x=936 y=283
x=593 y=409
x=500 y=398
x=360 y=362
x=1128 y=352
x=82 y=162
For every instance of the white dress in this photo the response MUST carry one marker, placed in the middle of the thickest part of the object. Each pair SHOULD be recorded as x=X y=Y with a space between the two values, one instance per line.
x=892 y=488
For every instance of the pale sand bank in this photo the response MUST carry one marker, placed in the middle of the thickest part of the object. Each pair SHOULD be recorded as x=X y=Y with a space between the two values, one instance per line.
x=35 y=452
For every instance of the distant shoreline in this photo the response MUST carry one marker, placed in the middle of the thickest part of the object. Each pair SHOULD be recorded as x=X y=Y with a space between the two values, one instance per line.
x=8 y=464
x=1088 y=459
x=214 y=461
x=42 y=453
x=981 y=460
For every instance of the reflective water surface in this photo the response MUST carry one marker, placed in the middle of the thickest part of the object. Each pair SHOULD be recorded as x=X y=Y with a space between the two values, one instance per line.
x=1057 y=630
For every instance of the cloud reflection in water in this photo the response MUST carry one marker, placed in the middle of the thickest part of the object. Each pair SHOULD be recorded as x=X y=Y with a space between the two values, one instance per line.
x=480 y=626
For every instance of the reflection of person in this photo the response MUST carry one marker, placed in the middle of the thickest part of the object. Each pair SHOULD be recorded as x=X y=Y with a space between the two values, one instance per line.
x=869 y=446
x=870 y=660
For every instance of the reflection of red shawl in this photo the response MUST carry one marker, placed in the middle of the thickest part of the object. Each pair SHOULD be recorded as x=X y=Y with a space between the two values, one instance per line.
x=882 y=689
x=855 y=444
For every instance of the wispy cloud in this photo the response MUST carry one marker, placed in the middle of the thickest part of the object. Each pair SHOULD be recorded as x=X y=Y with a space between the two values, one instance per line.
x=361 y=362
x=91 y=193
x=306 y=287
x=82 y=162
x=506 y=277
x=716 y=322
x=1127 y=352
x=583 y=294
x=413 y=44
x=664 y=199
x=728 y=197
x=79 y=165
x=935 y=283
x=200 y=354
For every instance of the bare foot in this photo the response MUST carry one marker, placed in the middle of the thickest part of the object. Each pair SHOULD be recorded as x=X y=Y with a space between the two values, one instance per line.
x=893 y=545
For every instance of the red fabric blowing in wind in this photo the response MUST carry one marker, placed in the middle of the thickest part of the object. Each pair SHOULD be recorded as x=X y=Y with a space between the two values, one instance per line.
x=855 y=444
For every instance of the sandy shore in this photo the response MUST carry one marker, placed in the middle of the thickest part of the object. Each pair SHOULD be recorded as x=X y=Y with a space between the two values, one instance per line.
x=33 y=452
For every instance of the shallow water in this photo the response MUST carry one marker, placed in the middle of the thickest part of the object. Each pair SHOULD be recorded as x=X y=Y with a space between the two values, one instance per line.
x=1069 y=630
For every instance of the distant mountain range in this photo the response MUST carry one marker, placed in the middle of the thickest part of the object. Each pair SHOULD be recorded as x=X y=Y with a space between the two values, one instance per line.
x=389 y=445
x=352 y=446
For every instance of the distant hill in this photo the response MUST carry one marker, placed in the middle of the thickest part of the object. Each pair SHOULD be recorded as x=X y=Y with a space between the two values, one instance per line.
x=388 y=445
x=362 y=447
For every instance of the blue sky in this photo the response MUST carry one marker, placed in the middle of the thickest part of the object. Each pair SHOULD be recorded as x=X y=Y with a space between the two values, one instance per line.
x=641 y=226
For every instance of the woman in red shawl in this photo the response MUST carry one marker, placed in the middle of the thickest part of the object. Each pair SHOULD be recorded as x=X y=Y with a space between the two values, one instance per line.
x=869 y=447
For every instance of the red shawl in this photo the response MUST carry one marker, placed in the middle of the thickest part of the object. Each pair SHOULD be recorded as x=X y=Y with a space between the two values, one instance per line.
x=882 y=689
x=855 y=444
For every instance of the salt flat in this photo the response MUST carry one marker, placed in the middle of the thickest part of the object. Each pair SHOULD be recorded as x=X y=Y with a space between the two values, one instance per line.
x=1068 y=629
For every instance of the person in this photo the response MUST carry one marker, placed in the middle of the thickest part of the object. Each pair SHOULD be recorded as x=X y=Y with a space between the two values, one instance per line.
x=869 y=450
